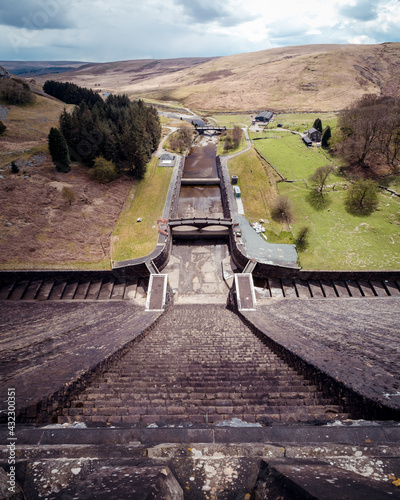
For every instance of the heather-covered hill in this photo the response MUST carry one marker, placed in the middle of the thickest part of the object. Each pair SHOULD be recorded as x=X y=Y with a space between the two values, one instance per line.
x=298 y=78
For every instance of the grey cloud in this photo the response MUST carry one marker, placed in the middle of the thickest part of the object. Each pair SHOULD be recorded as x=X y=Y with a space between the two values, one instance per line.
x=35 y=14
x=363 y=10
x=206 y=11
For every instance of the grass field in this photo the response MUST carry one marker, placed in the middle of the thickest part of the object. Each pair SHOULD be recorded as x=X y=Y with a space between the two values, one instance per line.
x=222 y=151
x=341 y=241
x=258 y=191
x=337 y=240
x=133 y=239
x=290 y=156
x=230 y=121
x=300 y=122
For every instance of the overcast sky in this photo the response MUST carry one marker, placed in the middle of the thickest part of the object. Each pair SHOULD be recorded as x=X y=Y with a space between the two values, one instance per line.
x=113 y=30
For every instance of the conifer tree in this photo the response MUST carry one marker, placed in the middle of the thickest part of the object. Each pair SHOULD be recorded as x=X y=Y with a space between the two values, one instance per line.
x=59 y=150
x=318 y=124
x=326 y=137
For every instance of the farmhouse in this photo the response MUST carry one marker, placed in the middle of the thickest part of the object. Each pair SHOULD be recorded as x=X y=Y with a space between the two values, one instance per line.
x=264 y=116
x=314 y=135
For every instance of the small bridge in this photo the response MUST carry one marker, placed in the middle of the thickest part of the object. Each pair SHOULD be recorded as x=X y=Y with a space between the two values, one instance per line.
x=214 y=128
x=202 y=227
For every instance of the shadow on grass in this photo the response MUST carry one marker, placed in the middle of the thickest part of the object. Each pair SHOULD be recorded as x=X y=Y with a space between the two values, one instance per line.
x=317 y=200
x=359 y=211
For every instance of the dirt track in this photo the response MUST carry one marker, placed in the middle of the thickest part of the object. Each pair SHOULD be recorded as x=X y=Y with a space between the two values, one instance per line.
x=39 y=229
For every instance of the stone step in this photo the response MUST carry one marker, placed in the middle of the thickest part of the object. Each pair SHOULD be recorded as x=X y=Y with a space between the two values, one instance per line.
x=57 y=290
x=32 y=290
x=82 y=290
x=45 y=290
x=392 y=288
x=6 y=289
x=18 y=290
x=186 y=372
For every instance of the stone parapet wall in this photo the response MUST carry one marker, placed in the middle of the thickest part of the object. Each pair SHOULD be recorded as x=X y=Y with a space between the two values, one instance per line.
x=223 y=188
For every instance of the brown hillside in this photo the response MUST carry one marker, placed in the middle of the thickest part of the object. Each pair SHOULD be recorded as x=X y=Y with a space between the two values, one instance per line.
x=300 y=78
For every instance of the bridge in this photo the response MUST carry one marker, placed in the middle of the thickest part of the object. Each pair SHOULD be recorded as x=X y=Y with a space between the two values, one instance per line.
x=202 y=227
x=207 y=128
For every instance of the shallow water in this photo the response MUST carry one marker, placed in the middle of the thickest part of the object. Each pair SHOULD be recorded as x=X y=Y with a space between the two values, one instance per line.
x=200 y=201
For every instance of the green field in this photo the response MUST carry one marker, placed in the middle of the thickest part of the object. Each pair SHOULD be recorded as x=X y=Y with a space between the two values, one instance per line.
x=133 y=239
x=341 y=241
x=258 y=191
x=230 y=121
x=222 y=151
x=289 y=155
x=337 y=240
x=300 y=122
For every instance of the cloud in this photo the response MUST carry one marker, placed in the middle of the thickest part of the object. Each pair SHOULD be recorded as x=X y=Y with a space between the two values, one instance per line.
x=101 y=30
x=36 y=14
x=224 y=13
x=363 y=10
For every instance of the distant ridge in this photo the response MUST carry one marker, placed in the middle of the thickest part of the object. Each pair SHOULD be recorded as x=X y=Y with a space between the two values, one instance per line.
x=297 y=78
x=31 y=69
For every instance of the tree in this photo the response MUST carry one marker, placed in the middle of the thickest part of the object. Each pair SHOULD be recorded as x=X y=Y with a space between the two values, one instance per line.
x=368 y=132
x=3 y=128
x=104 y=171
x=302 y=238
x=326 y=136
x=15 y=91
x=237 y=133
x=320 y=177
x=14 y=168
x=318 y=124
x=68 y=195
x=59 y=150
x=362 y=197
x=282 y=209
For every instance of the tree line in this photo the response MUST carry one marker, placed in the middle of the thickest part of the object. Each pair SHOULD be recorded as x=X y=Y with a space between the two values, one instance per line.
x=14 y=91
x=120 y=131
x=70 y=93
x=368 y=133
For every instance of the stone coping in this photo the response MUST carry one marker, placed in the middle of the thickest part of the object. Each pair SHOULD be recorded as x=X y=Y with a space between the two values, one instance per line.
x=356 y=433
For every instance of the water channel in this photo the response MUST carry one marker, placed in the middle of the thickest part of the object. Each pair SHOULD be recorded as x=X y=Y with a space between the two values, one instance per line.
x=201 y=201
x=195 y=266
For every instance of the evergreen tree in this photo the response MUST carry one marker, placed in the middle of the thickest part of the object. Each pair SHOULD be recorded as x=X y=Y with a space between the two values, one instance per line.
x=318 y=124
x=117 y=129
x=3 y=128
x=59 y=150
x=327 y=134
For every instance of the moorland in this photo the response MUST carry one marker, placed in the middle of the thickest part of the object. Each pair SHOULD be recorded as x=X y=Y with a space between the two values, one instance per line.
x=40 y=230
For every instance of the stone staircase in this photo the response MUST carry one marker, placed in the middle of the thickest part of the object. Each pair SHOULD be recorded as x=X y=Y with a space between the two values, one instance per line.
x=109 y=288
x=199 y=365
x=326 y=288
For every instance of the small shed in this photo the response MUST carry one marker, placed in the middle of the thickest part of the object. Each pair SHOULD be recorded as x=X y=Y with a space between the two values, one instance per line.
x=314 y=135
x=264 y=116
x=167 y=160
x=307 y=141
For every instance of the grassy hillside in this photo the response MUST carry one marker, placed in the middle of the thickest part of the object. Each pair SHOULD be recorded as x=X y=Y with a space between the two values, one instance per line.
x=300 y=78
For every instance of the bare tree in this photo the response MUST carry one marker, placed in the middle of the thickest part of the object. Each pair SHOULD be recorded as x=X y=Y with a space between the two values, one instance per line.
x=320 y=176
x=282 y=209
